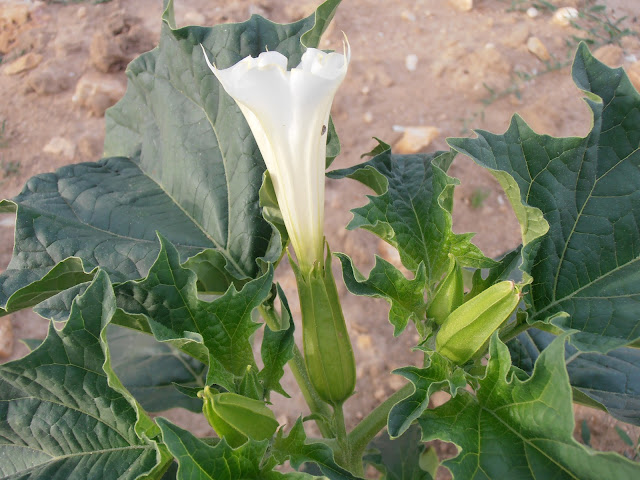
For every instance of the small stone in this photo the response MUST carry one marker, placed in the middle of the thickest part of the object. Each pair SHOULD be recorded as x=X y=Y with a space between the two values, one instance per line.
x=49 y=79
x=6 y=337
x=563 y=16
x=367 y=117
x=462 y=5
x=97 y=92
x=90 y=146
x=365 y=90
x=26 y=62
x=411 y=62
x=415 y=139
x=60 y=147
x=364 y=342
x=610 y=55
x=67 y=42
x=633 y=71
x=82 y=12
x=193 y=17
x=533 y=12
x=380 y=394
x=517 y=36
x=408 y=16
x=14 y=14
x=536 y=47
x=105 y=54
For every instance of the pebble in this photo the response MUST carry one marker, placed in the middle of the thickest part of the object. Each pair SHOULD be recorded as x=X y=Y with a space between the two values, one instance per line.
x=50 y=79
x=82 y=12
x=98 y=91
x=563 y=16
x=411 y=62
x=535 y=46
x=60 y=147
x=408 y=16
x=462 y=5
x=533 y=12
x=6 y=337
x=367 y=117
x=364 y=342
x=24 y=63
x=14 y=14
x=415 y=139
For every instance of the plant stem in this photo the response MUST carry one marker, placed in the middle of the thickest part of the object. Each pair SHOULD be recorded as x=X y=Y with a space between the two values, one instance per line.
x=369 y=427
x=299 y=370
x=344 y=453
x=516 y=330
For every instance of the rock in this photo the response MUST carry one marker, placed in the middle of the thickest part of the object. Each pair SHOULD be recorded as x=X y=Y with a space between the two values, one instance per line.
x=32 y=39
x=50 y=78
x=26 y=62
x=633 y=72
x=462 y=5
x=367 y=117
x=14 y=14
x=533 y=12
x=117 y=43
x=415 y=139
x=364 y=342
x=610 y=55
x=97 y=92
x=68 y=42
x=535 y=46
x=6 y=337
x=408 y=16
x=60 y=147
x=564 y=16
x=82 y=12
x=411 y=62
x=90 y=146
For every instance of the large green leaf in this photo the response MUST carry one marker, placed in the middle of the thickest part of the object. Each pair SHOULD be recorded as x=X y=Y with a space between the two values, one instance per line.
x=405 y=296
x=412 y=209
x=613 y=380
x=520 y=429
x=181 y=160
x=63 y=414
x=584 y=255
x=217 y=332
x=399 y=459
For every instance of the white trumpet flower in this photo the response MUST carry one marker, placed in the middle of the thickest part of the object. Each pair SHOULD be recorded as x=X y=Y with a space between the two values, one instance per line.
x=288 y=112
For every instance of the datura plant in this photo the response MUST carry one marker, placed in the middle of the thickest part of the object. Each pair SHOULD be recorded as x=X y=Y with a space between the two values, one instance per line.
x=154 y=265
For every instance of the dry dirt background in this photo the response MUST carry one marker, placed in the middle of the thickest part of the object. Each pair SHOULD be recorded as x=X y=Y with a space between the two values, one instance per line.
x=424 y=67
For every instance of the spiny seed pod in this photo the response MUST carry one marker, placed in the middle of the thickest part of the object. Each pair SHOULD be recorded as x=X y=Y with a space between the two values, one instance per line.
x=234 y=417
x=449 y=295
x=469 y=327
x=327 y=348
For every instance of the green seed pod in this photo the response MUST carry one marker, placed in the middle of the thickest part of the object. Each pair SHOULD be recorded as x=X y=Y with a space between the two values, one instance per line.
x=327 y=348
x=234 y=417
x=449 y=295
x=470 y=326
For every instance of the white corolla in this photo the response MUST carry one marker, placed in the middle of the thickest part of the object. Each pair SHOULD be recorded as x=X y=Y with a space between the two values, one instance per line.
x=288 y=112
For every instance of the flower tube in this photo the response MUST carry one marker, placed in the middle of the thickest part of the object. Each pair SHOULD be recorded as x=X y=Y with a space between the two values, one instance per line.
x=288 y=113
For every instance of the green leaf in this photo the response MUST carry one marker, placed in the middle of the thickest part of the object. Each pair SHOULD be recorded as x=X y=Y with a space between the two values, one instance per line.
x=216 y=333
x=150 y=369
x=412 y=210
x=438 y=374
x=520 y=429
x=399 y=459
x=612 y=380
x=50 y=421
x=295 y=448
x=277 y=350
x=584 y=255
x=504 y=270
x=181 y=161
x=386 y=281
x=199 y=461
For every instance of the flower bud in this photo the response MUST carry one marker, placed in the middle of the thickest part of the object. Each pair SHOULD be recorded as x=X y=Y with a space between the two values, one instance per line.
x=236 y=418
x=469 y=327
x=449 y=295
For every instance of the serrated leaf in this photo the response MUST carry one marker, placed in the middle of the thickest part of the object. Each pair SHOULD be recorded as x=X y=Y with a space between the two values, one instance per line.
x=294 y=447
x=612 y=380
x=438 y=374
x=149 y=369
x=277 y=350
x=588 y=264
x=216 y=333
x=412 y=210
x=386 y=281
x=520 y=429
x=399 y=459
x=50 y=421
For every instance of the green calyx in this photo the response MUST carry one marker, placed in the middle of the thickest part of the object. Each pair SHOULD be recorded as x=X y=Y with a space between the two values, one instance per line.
x=327 y=348
x=449 y=295
x=236 y=418
x=467 y=329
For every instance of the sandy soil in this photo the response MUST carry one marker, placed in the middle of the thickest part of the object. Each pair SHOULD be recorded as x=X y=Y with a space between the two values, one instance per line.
x=416 y=63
